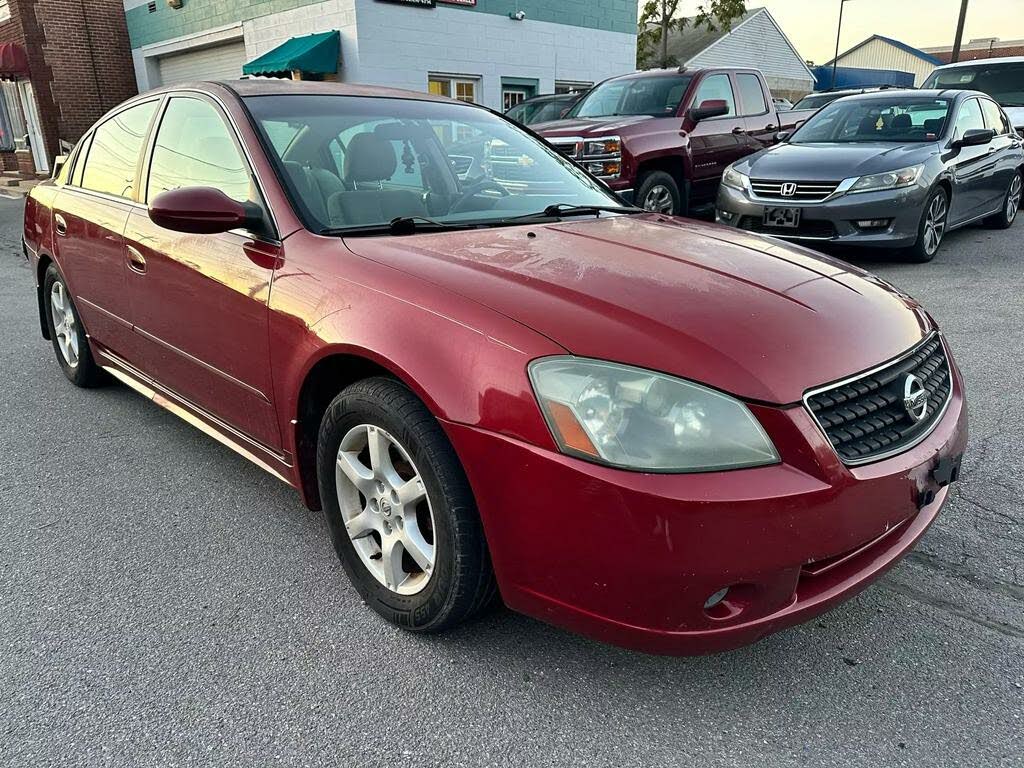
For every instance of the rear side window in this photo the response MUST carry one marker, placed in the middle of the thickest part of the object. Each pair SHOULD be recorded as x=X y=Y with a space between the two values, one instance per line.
x=715 y=88
x=994 y=117
x=751 y=95
x=114 y=153
x=194 y=148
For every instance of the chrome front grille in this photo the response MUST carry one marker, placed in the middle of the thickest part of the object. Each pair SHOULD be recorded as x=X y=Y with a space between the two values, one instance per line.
x=866 y=418
x=799 y=191
x=567 y=149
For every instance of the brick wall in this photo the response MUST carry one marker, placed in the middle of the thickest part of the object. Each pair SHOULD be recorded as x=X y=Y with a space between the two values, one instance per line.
x=79 y=60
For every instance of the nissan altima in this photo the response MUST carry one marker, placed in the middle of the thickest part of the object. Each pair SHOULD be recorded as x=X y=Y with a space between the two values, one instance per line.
x=890 y=169
x=656 y=432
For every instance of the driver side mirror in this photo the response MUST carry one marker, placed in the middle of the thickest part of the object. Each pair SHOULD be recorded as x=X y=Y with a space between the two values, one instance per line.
x=201 y=211
x=975 y=137
x=709 y=108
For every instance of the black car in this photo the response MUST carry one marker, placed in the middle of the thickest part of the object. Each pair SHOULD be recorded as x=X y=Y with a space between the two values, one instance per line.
x=821 y=98
x=542 y=109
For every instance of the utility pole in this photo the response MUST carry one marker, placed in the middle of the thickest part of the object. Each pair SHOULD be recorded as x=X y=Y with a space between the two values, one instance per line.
x=955 y=57
x=839 y=30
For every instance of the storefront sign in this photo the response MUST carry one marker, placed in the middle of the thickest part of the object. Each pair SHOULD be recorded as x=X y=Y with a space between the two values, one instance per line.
x=420 y=3
x=458 y=2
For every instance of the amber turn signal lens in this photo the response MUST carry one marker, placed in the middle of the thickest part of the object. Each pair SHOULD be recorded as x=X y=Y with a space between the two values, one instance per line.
x=570 y=430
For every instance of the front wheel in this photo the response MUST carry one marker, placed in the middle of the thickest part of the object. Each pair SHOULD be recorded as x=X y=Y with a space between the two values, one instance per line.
x=659 y=193
x=1011 y=204
x=932 y=227
x=400 y=510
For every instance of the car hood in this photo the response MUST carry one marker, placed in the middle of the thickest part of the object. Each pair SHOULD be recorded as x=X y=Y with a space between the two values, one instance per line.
x=743 y=313
x=598 y=126
x=824 y=161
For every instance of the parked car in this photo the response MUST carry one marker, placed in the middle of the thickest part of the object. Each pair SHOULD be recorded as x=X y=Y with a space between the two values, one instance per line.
x=542 y=109
x=1001 y=78
x=657 y=432
x=813 y=101
x=782 y=104
x=662 y=138
x=894 y=169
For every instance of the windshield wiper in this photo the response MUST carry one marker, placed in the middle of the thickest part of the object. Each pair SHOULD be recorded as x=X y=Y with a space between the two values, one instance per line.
x=561 y=210
x=400 y=225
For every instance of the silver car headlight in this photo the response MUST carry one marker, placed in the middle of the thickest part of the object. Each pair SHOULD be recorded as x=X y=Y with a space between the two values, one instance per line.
x=904 y=177
x=735 y=179
x=638 y=419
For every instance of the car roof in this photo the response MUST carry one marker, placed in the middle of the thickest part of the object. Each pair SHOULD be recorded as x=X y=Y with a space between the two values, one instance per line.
x=985 y=62
x=278 y=87
x=678 y=71
x=553 y=96
x=929 y=93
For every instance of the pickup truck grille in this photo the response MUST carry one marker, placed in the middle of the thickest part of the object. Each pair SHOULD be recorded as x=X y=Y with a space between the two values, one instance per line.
x=570 y=149
x=866 y=419
x=805 y=191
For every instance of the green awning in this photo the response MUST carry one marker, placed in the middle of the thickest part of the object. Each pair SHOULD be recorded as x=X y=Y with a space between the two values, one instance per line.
x=317 y=54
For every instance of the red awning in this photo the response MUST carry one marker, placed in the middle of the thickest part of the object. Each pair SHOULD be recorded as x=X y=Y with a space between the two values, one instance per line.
x=13 y=60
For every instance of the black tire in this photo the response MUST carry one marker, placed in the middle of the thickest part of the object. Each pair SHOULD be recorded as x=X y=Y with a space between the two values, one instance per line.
x=83 y=371
x=651 y=183
x=923 y=250
x=1008 y=213
x=461 y=583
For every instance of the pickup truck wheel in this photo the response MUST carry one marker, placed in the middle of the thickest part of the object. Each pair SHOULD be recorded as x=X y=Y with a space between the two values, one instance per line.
x=658 y=192
x=70 y=342
x=400 y=510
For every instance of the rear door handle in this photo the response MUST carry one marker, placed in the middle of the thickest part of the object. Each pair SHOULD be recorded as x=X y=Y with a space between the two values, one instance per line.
x=770 y=127
x=136 y=261
x=737 y=130
x=60 y=224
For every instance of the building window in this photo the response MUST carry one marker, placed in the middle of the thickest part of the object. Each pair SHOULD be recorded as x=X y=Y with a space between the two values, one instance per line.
x=454 y=86
x=572 y=86
x=512 y=96
x=5 y=10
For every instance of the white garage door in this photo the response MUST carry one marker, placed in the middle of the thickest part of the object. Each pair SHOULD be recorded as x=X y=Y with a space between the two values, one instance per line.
x=218 y=62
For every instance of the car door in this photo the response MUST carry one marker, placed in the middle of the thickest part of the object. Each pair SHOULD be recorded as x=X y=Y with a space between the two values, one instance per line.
x=199 y=302
x=1005 y=155
x=717 y=141
x=971 y=166
x=90 y=213
x=760 y=119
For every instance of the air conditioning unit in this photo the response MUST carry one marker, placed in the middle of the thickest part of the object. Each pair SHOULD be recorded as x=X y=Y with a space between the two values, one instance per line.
x=175 y=4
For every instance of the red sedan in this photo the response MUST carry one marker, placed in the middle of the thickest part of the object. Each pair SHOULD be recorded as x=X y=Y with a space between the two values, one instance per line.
x=492 y=376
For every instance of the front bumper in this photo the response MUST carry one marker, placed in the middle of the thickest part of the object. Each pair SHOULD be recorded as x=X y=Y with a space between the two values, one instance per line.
x=832 y=220
x=630 y=558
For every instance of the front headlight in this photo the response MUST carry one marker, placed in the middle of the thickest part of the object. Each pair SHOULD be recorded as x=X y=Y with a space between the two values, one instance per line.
x=735 y=179
x=904 y=177
x=638 y=419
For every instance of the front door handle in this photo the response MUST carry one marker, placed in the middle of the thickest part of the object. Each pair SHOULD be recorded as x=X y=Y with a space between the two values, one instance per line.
x=60 y=225
x=136 y=261
x=737 y=130
x=770 y=127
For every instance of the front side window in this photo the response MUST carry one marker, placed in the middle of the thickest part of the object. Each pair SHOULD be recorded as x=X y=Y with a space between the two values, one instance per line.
x=194 y=148
x=114 y=153
x=365 y=161
x=1003 y=82
x=898 y=119
x=968 y=119
x=994 y=117
x=655 y=95
x=716 y=88
x=751 y=95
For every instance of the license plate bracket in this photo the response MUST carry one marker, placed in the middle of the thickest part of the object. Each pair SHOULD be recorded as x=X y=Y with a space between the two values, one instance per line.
x=782 y=218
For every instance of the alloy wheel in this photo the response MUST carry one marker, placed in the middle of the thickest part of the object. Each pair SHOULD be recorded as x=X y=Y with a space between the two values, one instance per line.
x=64 y=324
x=935 y=224
x=1013 y=199
x=658 y=199
x=386 y=509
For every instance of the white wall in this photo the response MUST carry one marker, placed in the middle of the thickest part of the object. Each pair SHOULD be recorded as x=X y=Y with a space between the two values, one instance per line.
x=757 y=42
x=879 y=54
x=399 y=46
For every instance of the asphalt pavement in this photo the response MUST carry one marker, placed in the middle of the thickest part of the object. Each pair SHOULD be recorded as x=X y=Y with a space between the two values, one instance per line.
x=165 y=603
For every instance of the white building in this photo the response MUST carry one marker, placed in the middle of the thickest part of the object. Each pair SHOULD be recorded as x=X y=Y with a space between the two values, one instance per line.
x=476 y=50
x=755 y=40
x=878 y=52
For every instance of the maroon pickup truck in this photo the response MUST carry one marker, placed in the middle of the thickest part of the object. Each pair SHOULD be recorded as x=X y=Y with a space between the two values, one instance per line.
x=662 y=138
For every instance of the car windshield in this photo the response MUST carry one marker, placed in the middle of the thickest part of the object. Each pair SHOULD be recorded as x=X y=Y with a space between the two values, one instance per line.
x=1003 y=82
x=356 y=162
x=817 y=100
x=896 y=119
x=656 y=95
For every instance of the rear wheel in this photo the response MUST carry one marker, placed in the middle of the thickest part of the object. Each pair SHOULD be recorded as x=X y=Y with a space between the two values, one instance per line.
x=70 y=342
x=1011 y=204
x=659 y=193
x=401 y=514
x=932 y=228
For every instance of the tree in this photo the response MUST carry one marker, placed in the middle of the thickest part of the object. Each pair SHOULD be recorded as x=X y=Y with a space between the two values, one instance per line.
x=658 y=20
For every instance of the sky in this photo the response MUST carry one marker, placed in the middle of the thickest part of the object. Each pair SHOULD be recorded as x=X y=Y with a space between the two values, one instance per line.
x=811 y=24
